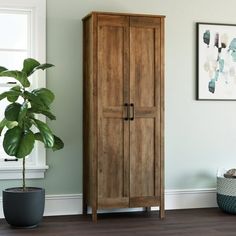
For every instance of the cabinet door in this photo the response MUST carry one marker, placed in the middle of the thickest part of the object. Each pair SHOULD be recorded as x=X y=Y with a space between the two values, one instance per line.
x=113 y=93
x=145 y=154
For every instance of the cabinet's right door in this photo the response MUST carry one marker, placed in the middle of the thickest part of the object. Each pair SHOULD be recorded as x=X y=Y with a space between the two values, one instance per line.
x=145 y=94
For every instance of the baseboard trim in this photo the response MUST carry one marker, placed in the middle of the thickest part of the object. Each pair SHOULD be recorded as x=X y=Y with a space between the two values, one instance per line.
x=71 y=204
x=66 y=204
x=190 y=198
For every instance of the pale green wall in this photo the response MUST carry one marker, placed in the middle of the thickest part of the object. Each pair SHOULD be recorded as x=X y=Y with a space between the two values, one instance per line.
x=200 y=135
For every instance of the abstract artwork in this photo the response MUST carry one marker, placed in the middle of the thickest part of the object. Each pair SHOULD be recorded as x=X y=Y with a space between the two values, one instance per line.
x=216 y=63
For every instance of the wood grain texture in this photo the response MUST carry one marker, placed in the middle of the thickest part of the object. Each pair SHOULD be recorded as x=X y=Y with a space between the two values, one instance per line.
x=94 y=114
x=142 y=53
x=112 y=20
x=111 y=65
x=121 y=14
x=111 y=159
x=162 y=122
x=146 y=201
x=123 y=64
x=113 y=131
x=105 y=203
x=144 y=21
x=194 y=222
x=85 y=114
x=145 y=93
x=88 y=107
x=142 y=158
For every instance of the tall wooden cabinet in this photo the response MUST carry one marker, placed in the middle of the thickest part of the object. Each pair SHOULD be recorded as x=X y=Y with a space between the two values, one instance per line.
x=123 y=56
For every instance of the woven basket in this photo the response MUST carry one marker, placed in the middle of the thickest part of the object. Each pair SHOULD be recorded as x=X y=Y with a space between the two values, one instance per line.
x=226 y=194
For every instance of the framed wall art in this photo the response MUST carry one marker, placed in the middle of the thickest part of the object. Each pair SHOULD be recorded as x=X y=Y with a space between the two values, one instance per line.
x=216 y=61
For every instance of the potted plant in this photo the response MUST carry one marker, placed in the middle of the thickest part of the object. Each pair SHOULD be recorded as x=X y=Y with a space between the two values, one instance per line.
x=24 y=206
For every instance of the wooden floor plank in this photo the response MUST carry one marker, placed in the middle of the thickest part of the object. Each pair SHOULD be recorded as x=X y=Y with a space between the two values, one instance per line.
x=199 y=222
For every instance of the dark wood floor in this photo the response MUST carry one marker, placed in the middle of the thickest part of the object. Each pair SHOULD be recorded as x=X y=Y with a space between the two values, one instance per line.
x=200 y=222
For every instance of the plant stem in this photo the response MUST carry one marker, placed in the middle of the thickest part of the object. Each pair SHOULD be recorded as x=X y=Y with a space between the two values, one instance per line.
x=23 y=170
x=23 y=173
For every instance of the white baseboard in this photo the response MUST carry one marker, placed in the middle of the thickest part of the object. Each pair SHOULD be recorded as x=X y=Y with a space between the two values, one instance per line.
x=190 y=198
x=66 y=204
x=71 y=204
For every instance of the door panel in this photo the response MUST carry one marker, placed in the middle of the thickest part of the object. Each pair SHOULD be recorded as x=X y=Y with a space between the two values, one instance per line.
x=111 y=66
x=145 y=128
x=111 y=162
x=142 y=66
x=142 y=158
x=113 y=130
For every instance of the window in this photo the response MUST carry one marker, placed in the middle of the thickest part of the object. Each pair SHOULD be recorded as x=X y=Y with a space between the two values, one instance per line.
x=23 y=30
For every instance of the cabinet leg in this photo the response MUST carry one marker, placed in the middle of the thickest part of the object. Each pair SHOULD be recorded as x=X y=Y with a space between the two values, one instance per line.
x=162 y=211
x=85 y=207
x=94 y=215
x=148 y=209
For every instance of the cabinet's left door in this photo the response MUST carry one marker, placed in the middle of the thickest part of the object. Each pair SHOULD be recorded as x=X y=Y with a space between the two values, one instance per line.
x=113 y=93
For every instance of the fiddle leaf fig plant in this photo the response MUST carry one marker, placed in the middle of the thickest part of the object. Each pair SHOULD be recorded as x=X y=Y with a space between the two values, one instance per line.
x=20 y=120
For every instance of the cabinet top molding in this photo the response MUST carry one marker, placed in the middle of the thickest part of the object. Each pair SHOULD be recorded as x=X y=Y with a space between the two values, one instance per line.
x=121 y=14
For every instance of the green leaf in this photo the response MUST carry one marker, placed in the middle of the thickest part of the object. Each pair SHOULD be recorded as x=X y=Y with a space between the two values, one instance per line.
x=11 y=124
x=34 y=100
x=22 y=113
x=18 y=143
x=44 y=66
x=8 y=124
x=30 y=115
x=45 y=112
x=58 y=144
x=46 y=95
x=3 y=95
x=12 y=111
x=41 y=67
x=2 y=68
x=16 y=88
x=28 y=123
x=48 y=114
x=12 y=95
x=3 y=123
x=46 y=133
x=29 y=65
x=38 y=136
x=18 y=75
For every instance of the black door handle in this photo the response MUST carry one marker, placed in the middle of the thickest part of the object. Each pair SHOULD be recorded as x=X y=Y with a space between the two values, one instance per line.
x=127 y=111
x=132 y=116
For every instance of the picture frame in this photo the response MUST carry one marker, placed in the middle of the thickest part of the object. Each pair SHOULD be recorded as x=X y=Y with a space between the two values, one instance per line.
x=216 y=61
